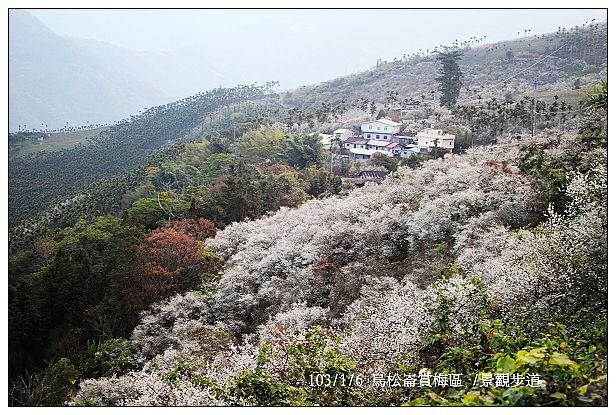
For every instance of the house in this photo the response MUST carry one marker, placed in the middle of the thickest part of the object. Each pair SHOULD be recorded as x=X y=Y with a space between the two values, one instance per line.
x=353 y=142
x=373 y=174
x=364 y=177
x=380 y=145
x=395 y=148
x=428 y=137
x=382 y=129
x=403 y=139
x=326 y=140
x=412 y=149
x=342 y=134
x=360 y=154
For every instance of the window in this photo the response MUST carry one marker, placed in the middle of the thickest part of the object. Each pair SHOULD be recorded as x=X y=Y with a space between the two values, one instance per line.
x=354 y=145
x=378 y=136
x=370 y=127
x=385 y=128
x=368 y=135
x=378 y=128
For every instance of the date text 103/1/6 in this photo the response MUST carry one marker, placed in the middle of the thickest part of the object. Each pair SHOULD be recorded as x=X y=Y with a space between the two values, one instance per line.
x=328 y=381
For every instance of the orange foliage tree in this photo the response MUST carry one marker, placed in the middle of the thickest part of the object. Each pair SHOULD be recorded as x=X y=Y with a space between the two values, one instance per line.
x=174 y=261
x=200 y=229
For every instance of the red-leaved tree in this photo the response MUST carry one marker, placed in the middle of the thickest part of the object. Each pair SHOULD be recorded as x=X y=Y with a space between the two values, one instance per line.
x=173 y=261
x=200 y=229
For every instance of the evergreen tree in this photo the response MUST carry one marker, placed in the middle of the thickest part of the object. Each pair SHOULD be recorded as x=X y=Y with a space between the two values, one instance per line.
x=450 y=78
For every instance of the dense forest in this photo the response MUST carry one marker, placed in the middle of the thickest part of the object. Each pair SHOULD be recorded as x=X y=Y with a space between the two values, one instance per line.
x=207 y=252
x=42 y=179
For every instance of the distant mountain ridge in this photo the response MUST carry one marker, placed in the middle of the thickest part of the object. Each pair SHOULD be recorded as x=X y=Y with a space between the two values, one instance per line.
x=56 y=80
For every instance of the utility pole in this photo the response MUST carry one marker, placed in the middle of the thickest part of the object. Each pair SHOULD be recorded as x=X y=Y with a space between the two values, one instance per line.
x=532 y=131
x=334 y=143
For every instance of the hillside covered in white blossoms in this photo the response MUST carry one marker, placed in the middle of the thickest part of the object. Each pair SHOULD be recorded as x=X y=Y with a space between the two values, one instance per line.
x=473 y=279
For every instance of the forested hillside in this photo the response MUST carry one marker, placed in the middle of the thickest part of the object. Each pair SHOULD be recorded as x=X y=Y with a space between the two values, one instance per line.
x=42 y=179
x=208 y=251
x=420 y=275
x=491 y=262
x=72 y=273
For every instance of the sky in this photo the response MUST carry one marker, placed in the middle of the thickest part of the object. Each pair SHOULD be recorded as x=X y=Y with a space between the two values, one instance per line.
x=279 y=43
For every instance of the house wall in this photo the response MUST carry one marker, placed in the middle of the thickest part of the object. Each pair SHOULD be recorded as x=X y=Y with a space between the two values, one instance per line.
x=427 y=140
x=360 y=157
x=446 y=143
x=401 y=140
x=351 y=145
x=343 y=136
x=377 y=127
x=369 y=147
x=377 y=136
x=407 y=153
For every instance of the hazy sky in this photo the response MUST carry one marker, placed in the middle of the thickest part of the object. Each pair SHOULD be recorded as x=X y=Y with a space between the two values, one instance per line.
x=330 y=42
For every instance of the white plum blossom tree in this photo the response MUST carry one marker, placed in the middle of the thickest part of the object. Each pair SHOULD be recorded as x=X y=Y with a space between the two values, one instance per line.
x=445 y=246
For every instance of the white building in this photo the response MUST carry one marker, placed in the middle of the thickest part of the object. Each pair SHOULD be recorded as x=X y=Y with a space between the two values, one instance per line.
x=359 y=154
x=342 y=134
x=326 y=141
x=385 y=146
x=378 y=145
x=353 y=142
x=428 y=137
x=411 y=150
x=382 y=129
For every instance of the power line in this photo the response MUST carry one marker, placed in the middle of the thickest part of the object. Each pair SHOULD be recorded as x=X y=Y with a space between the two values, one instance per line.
x=514 y=76
x=557 y=112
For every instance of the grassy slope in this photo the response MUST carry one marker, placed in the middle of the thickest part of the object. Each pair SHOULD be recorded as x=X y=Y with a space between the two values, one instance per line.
x=55 y=142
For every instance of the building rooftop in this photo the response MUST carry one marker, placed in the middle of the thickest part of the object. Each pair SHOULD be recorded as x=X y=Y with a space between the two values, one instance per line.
x=388 y=122
x=342 y=131
x=367 y=152
x=373 y=174
x=414 y=149
x=379 y=143
x=434 y=132
x=354 y=140
x=382 y=121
